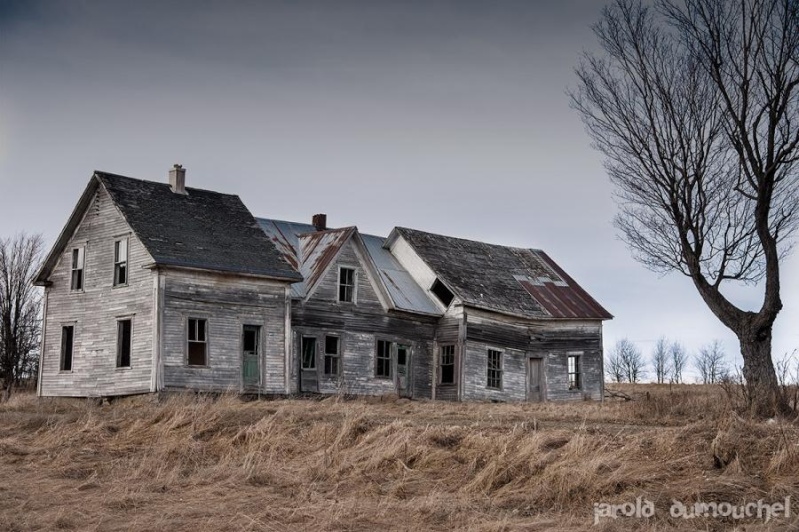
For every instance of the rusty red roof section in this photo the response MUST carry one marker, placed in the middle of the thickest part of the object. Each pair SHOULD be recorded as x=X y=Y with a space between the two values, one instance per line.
x=318 y=249
x=564 y=299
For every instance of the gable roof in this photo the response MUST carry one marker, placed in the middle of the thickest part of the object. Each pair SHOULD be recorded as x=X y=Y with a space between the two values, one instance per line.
x=504 y=279
x=201 y=229
x=312 y=252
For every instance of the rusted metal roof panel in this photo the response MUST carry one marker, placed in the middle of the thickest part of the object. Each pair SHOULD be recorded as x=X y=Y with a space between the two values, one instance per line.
x=565 y=299
x=318 y=249
x=403 y=290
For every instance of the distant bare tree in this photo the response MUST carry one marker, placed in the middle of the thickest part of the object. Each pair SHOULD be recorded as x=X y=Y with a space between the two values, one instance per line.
x=695 y=106
x=613 y=365
x=711 y=364
x=679 y=359
x=627 y=362
x=661 y=360
x=20 y=305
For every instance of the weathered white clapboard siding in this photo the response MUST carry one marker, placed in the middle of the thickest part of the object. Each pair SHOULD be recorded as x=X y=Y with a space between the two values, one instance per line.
x=448 y=331
x=360 y=325
x=94 y=311
x=514 y=374
x=553 y=340
x=228 y=302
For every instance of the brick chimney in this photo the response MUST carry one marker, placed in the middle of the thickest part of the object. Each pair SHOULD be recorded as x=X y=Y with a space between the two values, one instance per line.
x=177 y=179
x=319 y=222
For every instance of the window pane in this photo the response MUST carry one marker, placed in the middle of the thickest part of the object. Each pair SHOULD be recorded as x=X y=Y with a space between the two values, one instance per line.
x=197 y=352
x=121 y=251
x=402 y=354
x=192 y=330
x=331 y=345
x=308 y=353
x=122 y=274
x=201 y=331
x=250 y=340
x=67 y=339
x=123 y=343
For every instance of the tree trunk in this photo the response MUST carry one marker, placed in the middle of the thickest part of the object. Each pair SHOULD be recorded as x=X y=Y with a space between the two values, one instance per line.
x=765 y=397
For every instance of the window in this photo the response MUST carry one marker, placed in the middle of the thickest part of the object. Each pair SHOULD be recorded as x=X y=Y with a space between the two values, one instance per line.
x=198 y=342
x=67 y=342
x=442 y=292
x=123 y=343
x=574 y=372
x=346 y=285
x=447 y=364
x=121 y=262
x=494 y=370
x=308 y=348
x=78 y=257
x=383 y=359
x=332 y=355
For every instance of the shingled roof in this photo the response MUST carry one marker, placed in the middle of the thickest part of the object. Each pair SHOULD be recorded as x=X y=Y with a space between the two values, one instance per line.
x=510 y=280
x=201 y=229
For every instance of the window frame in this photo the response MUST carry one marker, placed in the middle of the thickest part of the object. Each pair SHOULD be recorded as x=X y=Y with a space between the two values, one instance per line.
x=353 y=287
x=441 y=364
x=387 y=360
x=498 y=369
x=77 y=255
x=577 y=373
x=332 y=356
x=119 y=265
x=63 y=358
x=303 y=338
x=119 y=364
x=204 y=342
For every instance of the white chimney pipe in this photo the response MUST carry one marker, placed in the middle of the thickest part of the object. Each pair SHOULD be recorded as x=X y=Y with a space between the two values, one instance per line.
x=177 y=179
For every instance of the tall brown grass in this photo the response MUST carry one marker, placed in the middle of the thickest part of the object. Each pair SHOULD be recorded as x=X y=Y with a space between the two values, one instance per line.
x=220 y=463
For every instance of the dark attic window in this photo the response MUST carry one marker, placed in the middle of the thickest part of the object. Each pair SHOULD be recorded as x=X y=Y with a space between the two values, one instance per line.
x=442 y=292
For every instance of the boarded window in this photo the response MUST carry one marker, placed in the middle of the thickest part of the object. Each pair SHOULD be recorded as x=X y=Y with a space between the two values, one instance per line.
x=308 y=352
x=121 y=262
x=78 y=258
x=124 y=329
x=332 y=355
x=67 y=344
x=198 y=342
x=575 y=381
x=346 y=285
x=442 y=292
x=383 y=359
x=446 y=365
x=494 y=369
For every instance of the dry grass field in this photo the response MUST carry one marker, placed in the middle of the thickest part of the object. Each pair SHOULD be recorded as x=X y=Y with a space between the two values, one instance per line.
x=205 y=463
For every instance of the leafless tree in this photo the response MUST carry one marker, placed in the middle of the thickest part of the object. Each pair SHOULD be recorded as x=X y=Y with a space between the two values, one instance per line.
x=20 y=305
x=679 y=359
x=661 y=360
x=695 y=105
x=627 y=362
x=711 y=363
x=613 y=365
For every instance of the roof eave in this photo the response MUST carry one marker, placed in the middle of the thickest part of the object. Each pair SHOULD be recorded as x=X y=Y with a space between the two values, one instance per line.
x=223 y=271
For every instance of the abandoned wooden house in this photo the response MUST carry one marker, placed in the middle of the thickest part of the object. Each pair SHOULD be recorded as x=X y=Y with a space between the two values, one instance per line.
x=156 y=287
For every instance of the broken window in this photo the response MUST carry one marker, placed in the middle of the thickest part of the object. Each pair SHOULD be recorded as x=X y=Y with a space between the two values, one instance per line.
x=308 y=348
x=575 y=382
x=121 y=262
x=67 y=343
x=124 y=329
x=78 y=256
x=446 y=364
x=198 y=342
x=332 y=355
x=383 y=359
x=346 y=284
x=494 y=369
x=442 y=292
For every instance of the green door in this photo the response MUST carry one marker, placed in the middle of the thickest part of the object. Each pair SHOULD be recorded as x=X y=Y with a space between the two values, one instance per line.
x=250 y=359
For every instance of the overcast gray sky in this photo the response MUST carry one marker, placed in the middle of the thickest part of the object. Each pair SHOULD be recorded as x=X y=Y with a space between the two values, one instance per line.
x=445 y=116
